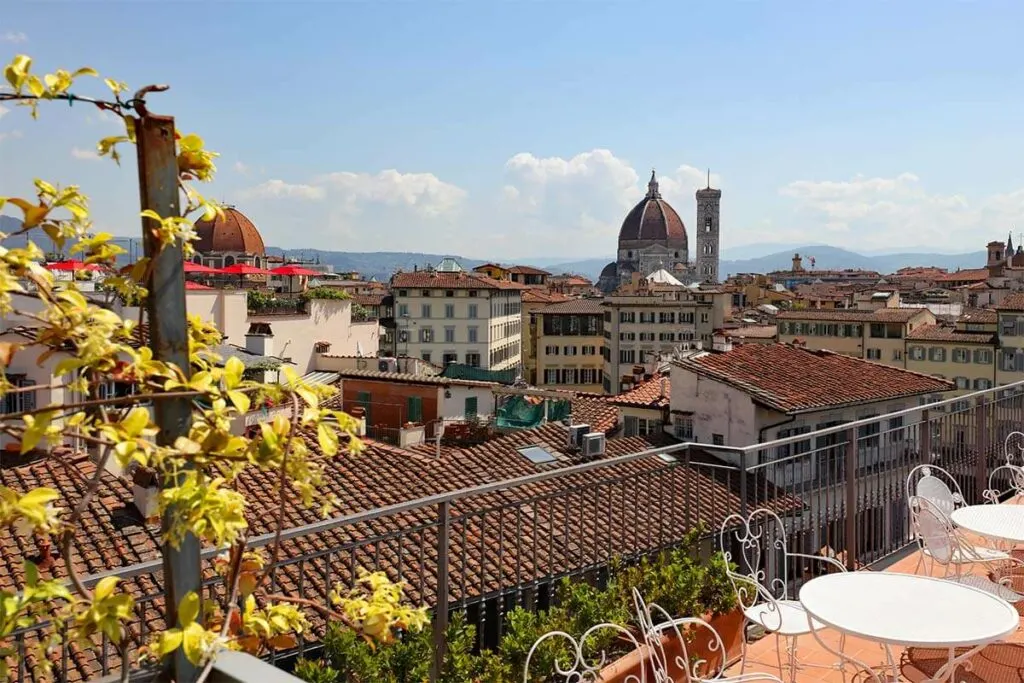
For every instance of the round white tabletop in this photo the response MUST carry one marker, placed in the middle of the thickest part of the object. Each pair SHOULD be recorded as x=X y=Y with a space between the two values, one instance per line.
x=908 y=610
x=1001 y=522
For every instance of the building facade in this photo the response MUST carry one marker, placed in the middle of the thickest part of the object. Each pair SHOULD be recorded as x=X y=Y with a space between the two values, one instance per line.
x=644 y=324
x=653 y=237
x=458 y=317
x=569 y=345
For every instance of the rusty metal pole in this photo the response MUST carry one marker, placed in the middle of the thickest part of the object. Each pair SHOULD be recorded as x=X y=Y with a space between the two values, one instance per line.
x=168 y=333
x=981 y=447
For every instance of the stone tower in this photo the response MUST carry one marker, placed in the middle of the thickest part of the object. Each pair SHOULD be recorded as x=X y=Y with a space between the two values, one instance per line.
x=708 y=209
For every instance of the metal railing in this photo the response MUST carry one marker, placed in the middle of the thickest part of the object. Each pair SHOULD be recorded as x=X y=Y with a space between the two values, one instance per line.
x=487 y=549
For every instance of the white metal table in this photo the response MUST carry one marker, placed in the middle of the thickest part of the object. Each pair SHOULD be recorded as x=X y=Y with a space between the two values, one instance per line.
x=998 y=522
x=909 y=611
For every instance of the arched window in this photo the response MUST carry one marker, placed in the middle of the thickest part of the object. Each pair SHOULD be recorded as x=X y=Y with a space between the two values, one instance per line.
x=229 y=261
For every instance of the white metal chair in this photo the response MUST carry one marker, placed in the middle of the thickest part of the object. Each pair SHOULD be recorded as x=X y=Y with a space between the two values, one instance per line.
x=1005 y=479
x=581 y=667
x=945 y=545
x=765 y=601
x=943 y=493
x=1013 y=447
x=683 y=635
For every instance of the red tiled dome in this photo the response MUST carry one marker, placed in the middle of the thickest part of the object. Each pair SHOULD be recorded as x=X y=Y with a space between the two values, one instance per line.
x=230 y=232
x=653 y=219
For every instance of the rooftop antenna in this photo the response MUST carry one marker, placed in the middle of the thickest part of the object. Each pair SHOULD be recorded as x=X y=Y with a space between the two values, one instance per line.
x=709 y=178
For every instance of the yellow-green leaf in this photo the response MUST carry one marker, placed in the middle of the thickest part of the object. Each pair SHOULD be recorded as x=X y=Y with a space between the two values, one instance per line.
x=137 y=420
x=105 y=588
x=239 y=400
x=188 y=609
x=169 y=642
x=40 y=496
x=85 y=71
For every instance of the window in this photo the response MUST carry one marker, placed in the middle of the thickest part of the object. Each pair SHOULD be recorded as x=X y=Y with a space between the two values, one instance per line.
x=425 y=356
x=917 y=352
x=961 y=355
x=403 y=292
x=403 y=310
x=23 y=400
x=796 y=447
x=537 y=455
x=717 y=440
x=682 y=426
x=897 y=354
x=867 y=436
x=627 y=336
x=425 y=311
x=551 y=350
x=471 y=335
x=982 y=383
x=874 y=354
x=590 y=376
x=627 y=317
x=551 y=376
x=896 y=430
x=449 y=358
x=414 y=409
x=627 y=356
x=589 y=350
x=962 y=382
x=667 y=318
x=426 y=335
x=364 y=400
x=449 y=310
x=472 y=310
x=449 y=334
x=470 y=409
x=473 y=360
x=983 y=356
x=449 y=293
x=569 y=351
x=472 y=292
x=937 y=354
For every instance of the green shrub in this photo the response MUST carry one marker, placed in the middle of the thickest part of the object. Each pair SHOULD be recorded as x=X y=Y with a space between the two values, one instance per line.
x=324 y=293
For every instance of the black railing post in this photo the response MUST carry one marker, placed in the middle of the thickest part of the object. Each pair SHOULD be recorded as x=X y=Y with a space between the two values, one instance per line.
x=851 y=499
x=925 y=436
x=981 y=446
x=168 y=330
x=444 y=524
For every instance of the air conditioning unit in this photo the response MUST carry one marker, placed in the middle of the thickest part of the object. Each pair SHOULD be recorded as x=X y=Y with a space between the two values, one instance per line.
x=382 y=365
x=593 y=445
x=576 y=434
x=388 y=364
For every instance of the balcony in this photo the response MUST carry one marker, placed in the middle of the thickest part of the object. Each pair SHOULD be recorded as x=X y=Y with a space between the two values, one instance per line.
x=480 y=551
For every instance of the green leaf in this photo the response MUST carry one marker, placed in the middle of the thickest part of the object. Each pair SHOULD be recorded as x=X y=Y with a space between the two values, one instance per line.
x=105 y=588
x=84 y=71
x=188 y=609
x=31 y=574
x=233 y=370
x=192 y=642
x=239 y=400
x=169 y=641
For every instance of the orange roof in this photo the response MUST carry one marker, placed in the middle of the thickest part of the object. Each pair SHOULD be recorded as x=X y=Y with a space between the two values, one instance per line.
x=853 y=315
x=574 y=307
x=948 y=334
x=1014 y=302
x=432 y=279
x=654 y=393
x=792 y=379
x=527 y=270
x=539 y=296
x=752 y=332
x=968 y=275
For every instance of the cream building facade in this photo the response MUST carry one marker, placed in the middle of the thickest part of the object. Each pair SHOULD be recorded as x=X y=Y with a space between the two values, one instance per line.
x=647 y=321
x=569 y=345
x=458 y=317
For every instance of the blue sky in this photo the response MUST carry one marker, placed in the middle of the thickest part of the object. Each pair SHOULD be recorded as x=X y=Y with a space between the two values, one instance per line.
x=516 y=129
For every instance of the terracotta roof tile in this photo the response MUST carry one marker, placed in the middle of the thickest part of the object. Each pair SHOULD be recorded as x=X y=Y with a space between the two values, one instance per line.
x=654 y=393
x=1013 y=302
x=789 y=379
x=406 y=378
x=949 y=334
x=527 y=270
x=853 y=315
x=979 y=315
x=967 y=275
x=432 y=279
x=752 y=332
x=534 y=295
x=368 y=299
x=575 y=307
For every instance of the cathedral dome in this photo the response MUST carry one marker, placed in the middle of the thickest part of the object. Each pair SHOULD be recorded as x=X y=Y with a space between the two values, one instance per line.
x=653 y=219
x=611 y=270
x=230 y=232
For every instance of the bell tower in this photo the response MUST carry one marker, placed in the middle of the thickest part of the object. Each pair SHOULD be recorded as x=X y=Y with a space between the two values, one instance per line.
x=708 y=209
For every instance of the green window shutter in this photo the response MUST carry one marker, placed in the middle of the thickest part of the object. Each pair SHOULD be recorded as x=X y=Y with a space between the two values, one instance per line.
x=470 y=407
x=363 y=399
x=415 y=406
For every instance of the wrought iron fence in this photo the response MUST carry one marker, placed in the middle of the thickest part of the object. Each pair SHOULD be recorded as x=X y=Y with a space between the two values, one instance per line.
x=488 y=549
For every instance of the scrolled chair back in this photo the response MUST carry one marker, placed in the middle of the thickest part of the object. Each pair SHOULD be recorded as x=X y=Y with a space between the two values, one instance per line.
x=757 y=537
x=937 y=486
x=580 y=668
x=1013 y=448
x=932 y=529
x=1014 y=477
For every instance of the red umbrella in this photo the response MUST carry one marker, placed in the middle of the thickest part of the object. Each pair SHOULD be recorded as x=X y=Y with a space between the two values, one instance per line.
x=191 y=267
x=293 y=270
x=244 y=269
x=73 y=265
x=189 y=285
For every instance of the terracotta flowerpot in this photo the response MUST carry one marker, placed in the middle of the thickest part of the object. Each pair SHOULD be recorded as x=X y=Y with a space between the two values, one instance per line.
x=730 y=628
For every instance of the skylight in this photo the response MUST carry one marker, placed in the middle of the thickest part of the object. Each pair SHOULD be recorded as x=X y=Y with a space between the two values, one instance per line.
x=537 y=455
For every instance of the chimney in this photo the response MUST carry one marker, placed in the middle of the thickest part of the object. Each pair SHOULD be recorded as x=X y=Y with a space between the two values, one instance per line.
x=664 y=387
x=721 y=343
x=260 y=340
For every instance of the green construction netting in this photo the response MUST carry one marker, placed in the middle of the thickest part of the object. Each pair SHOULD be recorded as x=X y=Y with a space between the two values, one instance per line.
x=457 y=371
x=559 y=410
x=520 y=412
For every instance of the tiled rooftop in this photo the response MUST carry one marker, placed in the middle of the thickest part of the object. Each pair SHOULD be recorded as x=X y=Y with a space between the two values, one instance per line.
x=852 y=315
x=966 y=275
x=406 y=378
x=540 y=296
x=1013 y=302
x=432 y=279
x=979 y=315
x=752 y=332
x=789 y=378
x=654 y=393
x=527 y=270
x=948 y=334
x=574 y=307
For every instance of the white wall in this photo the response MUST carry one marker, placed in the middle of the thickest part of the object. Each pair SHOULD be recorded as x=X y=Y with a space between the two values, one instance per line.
x=328 y=320
x=717 y=408
x=454 y=408
x=25 y=363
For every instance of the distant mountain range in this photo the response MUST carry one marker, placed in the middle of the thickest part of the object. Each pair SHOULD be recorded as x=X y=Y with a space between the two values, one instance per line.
x=744 y=259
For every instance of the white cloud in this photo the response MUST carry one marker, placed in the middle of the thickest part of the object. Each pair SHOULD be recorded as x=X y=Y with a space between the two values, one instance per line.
x=895 y=212
x=279 y=189
x=85 y=154
x=13 y=37
x=423 y=193
x=10 y=135
x=240 y=168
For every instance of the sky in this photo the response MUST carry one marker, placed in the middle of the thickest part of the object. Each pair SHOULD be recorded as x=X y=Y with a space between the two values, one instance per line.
x=505 y=130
